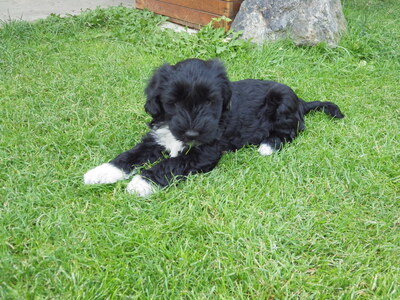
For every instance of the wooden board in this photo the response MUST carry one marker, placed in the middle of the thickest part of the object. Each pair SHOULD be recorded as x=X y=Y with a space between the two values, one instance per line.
x=218 y=7
x=192 y=13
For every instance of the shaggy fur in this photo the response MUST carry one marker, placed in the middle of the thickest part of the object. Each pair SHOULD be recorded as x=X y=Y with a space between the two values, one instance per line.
x=197 y=114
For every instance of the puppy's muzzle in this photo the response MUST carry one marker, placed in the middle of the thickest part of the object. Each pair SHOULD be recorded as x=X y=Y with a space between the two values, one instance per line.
x=191 y=134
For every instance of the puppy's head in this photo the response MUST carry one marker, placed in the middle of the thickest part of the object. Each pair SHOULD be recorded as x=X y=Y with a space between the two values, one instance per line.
x=190 y=98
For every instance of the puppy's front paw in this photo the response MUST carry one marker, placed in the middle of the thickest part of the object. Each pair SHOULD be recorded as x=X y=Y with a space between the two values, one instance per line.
x=105 y=173
x=140 y=187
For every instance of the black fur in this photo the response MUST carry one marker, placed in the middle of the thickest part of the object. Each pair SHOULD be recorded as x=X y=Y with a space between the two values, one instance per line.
x=211 y=115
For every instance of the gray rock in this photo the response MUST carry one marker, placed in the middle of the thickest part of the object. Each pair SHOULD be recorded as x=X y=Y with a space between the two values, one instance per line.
x=306 y=22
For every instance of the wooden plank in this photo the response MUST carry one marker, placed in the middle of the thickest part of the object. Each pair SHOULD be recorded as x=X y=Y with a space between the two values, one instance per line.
x=219 y=7
x=193 y=13
x=185 y=23
x=220 y=24
x=177 y=12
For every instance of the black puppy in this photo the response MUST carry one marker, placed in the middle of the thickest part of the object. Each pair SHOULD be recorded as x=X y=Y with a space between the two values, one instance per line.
x=197 y=114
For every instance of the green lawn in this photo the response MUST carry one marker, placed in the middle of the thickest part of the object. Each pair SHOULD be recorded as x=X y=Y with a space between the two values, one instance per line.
x=318 y=220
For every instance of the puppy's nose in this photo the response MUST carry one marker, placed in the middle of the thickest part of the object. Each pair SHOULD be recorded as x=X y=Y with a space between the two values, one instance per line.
x=191 y=134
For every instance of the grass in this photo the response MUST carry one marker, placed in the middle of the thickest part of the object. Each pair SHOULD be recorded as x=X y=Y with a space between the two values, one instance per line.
x=320 y=219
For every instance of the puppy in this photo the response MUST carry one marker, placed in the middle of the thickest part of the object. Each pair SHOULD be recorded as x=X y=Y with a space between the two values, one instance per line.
x=197 y=115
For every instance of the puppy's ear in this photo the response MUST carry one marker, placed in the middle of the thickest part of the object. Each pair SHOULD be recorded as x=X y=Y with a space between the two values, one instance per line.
x=226 y=94
x=225 y=84
x=154 y=90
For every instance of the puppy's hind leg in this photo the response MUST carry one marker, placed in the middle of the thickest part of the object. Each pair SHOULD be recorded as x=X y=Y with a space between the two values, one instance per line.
x=270 y=145
x=123 y=165
x=283 y=118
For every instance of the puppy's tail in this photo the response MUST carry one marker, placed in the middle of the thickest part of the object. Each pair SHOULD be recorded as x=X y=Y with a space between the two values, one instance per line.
x=331 y=109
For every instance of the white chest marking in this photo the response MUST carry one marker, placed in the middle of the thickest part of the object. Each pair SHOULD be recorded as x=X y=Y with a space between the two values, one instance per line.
x=165 y=138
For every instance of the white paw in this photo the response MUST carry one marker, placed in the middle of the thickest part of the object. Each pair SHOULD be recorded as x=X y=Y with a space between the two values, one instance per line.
x=105 y=173
x=139 y=186
x=265 y=149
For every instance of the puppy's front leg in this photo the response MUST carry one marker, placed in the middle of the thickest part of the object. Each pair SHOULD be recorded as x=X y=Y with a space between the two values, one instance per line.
x=122 y=166
x=198 y=160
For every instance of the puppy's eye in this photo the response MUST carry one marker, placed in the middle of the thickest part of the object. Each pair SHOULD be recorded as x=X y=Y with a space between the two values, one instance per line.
x=171 y=104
